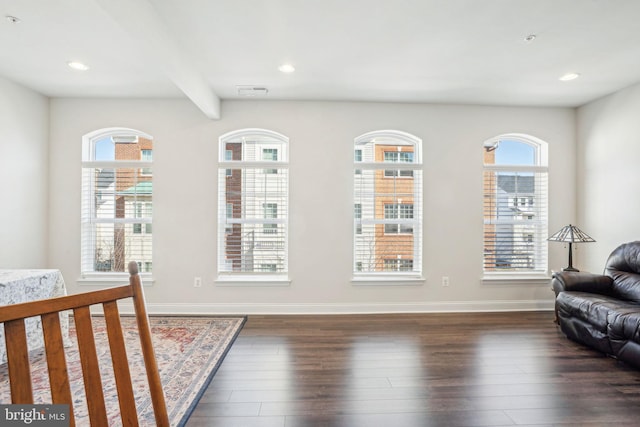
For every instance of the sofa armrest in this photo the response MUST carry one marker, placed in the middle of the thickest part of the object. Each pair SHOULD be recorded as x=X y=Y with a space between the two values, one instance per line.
x=582 y=282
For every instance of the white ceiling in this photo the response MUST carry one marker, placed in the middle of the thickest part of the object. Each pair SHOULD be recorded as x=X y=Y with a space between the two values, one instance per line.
x=435 y=51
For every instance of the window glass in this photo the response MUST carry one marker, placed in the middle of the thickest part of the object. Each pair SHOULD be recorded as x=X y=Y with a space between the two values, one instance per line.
x=117 y=201
x=510 y=152
x=388 y=199
x=253 y=205
x=515 y=205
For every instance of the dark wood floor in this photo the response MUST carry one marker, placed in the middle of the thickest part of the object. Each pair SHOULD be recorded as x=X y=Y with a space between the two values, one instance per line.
x=487 y=369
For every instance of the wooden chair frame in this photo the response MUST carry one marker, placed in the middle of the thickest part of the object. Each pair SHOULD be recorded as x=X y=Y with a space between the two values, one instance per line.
x=13 y=316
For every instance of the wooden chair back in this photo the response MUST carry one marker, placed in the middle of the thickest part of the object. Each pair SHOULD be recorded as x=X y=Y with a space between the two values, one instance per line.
x=13 y=316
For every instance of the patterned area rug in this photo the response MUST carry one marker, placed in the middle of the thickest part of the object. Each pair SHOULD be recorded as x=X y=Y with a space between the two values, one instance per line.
x=188 y=350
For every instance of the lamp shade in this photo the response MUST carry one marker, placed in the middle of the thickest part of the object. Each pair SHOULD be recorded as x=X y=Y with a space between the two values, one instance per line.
x=571 y=233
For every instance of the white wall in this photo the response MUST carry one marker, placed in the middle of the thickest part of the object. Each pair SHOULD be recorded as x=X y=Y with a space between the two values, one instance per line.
x=24 y=124
x=608 y=174
x=321 y=206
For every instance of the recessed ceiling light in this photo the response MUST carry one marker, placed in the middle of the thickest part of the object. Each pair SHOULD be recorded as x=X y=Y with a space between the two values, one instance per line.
x=287 y=68
x=13 y=19
x=569 y=76
x=77 y=65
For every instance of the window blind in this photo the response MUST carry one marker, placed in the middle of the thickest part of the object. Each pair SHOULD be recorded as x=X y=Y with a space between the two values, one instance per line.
x=117 y=206
x=253 y=189
x=515 y=218
x=387 y=205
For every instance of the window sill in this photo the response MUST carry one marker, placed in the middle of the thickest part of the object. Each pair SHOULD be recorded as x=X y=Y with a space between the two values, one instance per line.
x=252 y=280
x=388 y=280
x=516 y=279
x=112 y=279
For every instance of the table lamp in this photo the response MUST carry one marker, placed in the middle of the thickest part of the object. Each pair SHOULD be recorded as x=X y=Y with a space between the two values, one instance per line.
x=571 y=234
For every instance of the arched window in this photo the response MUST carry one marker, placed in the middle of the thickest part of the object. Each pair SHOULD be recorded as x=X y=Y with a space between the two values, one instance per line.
x=117 y=201
x=515 y=204
x=253 y=205
x=387 y=232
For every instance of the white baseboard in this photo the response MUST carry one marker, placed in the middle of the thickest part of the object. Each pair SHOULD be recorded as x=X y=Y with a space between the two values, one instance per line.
x=343 y=308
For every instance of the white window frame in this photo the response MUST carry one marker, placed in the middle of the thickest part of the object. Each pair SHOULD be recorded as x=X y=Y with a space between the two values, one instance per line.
x=263 y=273
x=539 y=274
x=88 y=276
x=365 y=167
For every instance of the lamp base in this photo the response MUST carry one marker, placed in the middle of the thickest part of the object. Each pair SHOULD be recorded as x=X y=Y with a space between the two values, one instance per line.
x=570 y=266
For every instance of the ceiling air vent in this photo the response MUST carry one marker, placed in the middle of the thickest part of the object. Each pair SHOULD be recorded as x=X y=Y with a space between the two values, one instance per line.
x=252 y=91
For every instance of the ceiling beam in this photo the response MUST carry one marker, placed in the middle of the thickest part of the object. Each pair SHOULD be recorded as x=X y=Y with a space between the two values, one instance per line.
x=143 y=23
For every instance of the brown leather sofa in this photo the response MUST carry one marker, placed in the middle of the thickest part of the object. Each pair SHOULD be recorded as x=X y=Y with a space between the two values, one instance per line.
x=603 y=310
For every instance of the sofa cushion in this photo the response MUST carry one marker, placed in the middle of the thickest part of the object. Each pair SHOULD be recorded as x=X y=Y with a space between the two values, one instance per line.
x=624 y=324
x=623 y=266
x=626 y=285
x=586 y=318
x=624 y=334
x=590 y=308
